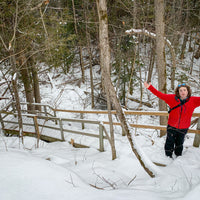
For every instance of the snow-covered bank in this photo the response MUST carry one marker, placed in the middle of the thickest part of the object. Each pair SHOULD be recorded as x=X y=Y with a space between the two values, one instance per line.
x=59 y=171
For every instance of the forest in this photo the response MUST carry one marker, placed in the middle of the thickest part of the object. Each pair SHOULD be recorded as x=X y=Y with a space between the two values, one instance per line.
x=65 y=33
x=128 y=39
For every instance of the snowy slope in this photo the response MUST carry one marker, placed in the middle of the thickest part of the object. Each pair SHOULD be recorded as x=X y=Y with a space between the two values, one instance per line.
x=60 y=171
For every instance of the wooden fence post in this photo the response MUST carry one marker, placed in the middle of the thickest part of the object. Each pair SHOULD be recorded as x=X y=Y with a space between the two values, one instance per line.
x=37 y=130
x=2 y=124
x=123 y=132
x=1 y=120
x=196 y=142
x=101 y=145
x=83 y=125
x=45 y=110
x=61 y=130
x=54 y=113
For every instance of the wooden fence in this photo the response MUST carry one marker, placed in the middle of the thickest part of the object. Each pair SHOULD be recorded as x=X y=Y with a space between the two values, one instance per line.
x=145 y=126
x=48 y=113
x=7 y=123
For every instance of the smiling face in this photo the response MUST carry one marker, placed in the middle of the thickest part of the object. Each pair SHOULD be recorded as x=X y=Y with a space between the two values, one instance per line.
x=183 y=92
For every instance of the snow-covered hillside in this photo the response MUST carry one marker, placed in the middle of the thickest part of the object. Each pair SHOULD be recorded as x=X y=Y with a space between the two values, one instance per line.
x=60 y=171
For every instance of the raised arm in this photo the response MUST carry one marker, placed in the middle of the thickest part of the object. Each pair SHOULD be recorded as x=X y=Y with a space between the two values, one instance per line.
x=159 y=94
x=147 y=84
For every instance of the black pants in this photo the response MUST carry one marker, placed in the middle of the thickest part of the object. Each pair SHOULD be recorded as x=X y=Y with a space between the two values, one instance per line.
x=174 y=141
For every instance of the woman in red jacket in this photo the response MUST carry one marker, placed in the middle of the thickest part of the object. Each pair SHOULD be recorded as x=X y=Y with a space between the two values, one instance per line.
x=182 y=105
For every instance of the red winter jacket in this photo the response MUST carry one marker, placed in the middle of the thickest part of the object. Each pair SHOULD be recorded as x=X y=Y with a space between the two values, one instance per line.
x=180 y=117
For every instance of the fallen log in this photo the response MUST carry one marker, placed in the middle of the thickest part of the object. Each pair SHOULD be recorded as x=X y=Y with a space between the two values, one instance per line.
x=142 y=102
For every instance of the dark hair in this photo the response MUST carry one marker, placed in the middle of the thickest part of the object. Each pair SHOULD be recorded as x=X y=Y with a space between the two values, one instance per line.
x=188 y=89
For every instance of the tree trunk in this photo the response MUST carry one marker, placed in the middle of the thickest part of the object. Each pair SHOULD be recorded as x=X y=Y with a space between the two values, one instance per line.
x=182 y=56
x=141 y=84
x=91 y=78
x=112 y=137
x=90 y=56
x=11 y=52
x=16 y=95
x=134 y=13
x=18 y=108
x=197 y=53
x=105 y=64
x=9 y=84
x=160 y=58
x=175 y=42
x=36 y=87
x=151 y=64
x=27 y=82
x=105 y=61
x=130 y=81
x=193 y=56
x=80 y=47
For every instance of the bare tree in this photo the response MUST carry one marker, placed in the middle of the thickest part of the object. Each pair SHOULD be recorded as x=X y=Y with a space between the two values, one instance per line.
x=10 y=50
x=160 y=55
x=186 y=34
x=151 y=64
x=18 y=107
x=105 y=66
x=35 y=83
x=26 y=79
x=80 y=47
x=90 y=53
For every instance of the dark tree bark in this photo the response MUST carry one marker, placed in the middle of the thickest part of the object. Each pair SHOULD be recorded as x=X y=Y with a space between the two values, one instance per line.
x=36 y=87
x=25 y=76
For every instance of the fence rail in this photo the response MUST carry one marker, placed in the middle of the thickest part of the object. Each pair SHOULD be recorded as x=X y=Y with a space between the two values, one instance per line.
x=155 y=113
x=147 y=126
x=5 y=121
x=49 y=114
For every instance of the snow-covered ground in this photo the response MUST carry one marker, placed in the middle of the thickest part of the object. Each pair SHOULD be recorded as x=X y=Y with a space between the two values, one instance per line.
x=60 y=171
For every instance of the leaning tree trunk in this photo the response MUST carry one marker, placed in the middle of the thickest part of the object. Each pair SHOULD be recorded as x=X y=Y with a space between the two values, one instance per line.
x=16 y=95
x=105 y=64
x=105 y=58
x=12 y=63
x=160 y=56
x=18 y=108
x=112 y=138
x=151 y=64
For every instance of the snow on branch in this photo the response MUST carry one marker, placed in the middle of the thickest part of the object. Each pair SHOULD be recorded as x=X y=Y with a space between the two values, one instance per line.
x=153 y=35
x=147 y=33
